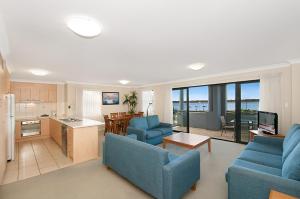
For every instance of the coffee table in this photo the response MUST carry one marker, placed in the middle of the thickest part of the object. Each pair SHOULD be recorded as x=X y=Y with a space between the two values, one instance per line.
x=187 y=140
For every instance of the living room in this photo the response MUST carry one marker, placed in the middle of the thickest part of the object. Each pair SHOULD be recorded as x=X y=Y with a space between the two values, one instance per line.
x=146 y=99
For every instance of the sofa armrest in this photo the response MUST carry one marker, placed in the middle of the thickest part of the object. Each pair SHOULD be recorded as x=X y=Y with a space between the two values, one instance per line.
x=250 y=184
x=181 y=174
x=165 y=125
x=269 y=140
x=140 y=133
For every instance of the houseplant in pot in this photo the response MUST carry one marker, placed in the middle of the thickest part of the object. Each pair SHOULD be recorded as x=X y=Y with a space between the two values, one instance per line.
x=131 y=101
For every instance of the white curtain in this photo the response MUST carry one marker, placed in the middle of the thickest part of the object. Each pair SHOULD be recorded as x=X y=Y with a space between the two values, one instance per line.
x=91 y=104
x=148 y=101
x=270 y=94
x=168 y=108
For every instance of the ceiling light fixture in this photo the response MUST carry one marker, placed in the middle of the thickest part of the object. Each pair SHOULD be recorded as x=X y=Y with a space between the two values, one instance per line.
x=84 y=26
x=196 y=66
x=39 y=72
x=124 y=81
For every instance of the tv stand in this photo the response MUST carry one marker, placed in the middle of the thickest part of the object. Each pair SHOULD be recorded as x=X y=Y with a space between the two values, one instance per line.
x=253 y=133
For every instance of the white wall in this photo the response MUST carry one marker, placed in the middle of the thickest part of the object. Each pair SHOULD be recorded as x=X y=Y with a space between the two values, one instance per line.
x=74 y=98
x=296 y=93
x=285 y=106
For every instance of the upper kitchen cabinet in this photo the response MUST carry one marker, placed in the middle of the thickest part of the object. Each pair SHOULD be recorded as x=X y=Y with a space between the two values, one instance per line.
x=33 y=92
x=52 y=93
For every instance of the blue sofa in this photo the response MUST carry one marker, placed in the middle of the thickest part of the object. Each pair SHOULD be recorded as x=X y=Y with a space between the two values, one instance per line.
x=267 y=163
x=153 y=169
x=149 y=129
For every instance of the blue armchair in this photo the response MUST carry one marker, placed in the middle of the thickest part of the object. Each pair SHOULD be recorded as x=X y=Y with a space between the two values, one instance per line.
x=155 y=170
x=149 y=129
x=267 y=163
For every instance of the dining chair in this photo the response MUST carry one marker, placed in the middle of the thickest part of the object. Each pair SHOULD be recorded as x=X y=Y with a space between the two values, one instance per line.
x=141 y=114
x=114 y=115
x=122 y=114
x=107 y=124
x=225 y=126
x=125 y=124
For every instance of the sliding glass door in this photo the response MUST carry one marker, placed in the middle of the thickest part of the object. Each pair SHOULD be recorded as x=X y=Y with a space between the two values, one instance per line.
x=222 y=111
x=249 y=104
x=180 y=109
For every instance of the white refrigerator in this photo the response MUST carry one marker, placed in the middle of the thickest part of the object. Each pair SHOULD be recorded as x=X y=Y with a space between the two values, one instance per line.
x=10 y=105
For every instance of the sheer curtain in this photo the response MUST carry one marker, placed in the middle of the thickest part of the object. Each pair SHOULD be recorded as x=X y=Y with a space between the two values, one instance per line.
x=148 y=99
x=91 y=104
x=168 y=108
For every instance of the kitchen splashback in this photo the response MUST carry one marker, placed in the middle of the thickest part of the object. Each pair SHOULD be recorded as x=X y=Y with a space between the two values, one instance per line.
x=34 y=109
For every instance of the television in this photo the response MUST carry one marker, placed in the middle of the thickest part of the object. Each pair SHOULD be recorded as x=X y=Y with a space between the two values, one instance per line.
x=268 y=122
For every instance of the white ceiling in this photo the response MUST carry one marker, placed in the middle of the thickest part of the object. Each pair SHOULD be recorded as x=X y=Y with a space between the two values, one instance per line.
x=148 y=41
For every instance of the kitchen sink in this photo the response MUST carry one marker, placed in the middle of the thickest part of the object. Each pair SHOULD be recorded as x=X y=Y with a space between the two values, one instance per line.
x=70 y=120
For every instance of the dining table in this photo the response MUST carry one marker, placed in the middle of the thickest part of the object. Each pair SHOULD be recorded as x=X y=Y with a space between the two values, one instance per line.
x=119 y=124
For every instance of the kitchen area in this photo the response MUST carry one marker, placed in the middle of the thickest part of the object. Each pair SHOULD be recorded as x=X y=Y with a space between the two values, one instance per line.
x=42 y=138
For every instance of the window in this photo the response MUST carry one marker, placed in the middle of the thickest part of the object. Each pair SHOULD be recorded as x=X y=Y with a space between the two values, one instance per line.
x=91 y=104
x=198 y=99
x=147 y=101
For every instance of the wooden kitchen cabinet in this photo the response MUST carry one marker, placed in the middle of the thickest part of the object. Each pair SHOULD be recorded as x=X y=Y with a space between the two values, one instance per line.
x=52 y=94
x=55 y=131
x=35 y=93
x=16 y=91
x=45 y=127
x=25 y=94
x=44 y=95
x=32 y=92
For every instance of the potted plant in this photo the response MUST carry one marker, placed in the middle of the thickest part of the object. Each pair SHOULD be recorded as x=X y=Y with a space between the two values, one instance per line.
x=131 y=101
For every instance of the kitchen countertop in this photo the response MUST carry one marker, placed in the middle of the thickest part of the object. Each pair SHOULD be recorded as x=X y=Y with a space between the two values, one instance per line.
x=79 y=124
x=26 y=118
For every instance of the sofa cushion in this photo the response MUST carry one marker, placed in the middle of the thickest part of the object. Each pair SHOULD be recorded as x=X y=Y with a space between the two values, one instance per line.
x=289 y=134
x=266 y=148
x=151 y=134
x=139 y=123
x=165 y=131
x=266 y=159
x=153 y=121
x=291 y=166
x=257 y=167
x=293 y=140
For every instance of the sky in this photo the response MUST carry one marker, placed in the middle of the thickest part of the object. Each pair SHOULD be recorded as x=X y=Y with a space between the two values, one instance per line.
x=248 y=91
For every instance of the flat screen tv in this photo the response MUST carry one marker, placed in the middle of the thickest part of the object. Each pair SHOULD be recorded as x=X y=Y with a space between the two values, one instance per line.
x=268 y=122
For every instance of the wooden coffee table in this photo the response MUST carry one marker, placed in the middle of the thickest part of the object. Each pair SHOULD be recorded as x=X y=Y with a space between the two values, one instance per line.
x=187 y=140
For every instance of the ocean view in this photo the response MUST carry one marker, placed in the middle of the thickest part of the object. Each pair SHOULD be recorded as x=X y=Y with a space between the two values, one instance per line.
x=203 y=105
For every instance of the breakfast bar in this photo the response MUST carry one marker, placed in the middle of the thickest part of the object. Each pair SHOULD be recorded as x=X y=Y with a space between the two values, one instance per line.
x=78 y=138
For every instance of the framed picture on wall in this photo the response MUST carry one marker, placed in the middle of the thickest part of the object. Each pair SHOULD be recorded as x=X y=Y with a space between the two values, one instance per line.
x=110 y=98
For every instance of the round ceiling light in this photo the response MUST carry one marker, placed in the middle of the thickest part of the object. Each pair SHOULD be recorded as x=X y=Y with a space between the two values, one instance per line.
x=196 y=66
x=124 y=81
x=84 y=26
x=39 y=72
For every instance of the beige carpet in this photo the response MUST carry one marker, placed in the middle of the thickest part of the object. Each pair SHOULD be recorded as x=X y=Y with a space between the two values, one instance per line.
x=92 y=180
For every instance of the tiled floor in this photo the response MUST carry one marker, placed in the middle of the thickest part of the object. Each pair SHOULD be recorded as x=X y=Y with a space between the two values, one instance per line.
x=35 y=158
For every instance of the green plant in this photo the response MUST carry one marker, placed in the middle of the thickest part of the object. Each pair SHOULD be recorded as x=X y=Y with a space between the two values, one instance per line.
x=131 y=101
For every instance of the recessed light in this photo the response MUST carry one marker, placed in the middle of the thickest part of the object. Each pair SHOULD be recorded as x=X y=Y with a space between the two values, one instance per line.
x=39 y=72
x=196 y=66
x=84 y=26
x=124 y=81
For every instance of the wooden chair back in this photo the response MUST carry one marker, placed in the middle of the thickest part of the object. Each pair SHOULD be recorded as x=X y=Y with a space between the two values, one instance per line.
x=122 y=114
x=114 y=115
x=107 y=124
x=141 y=114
